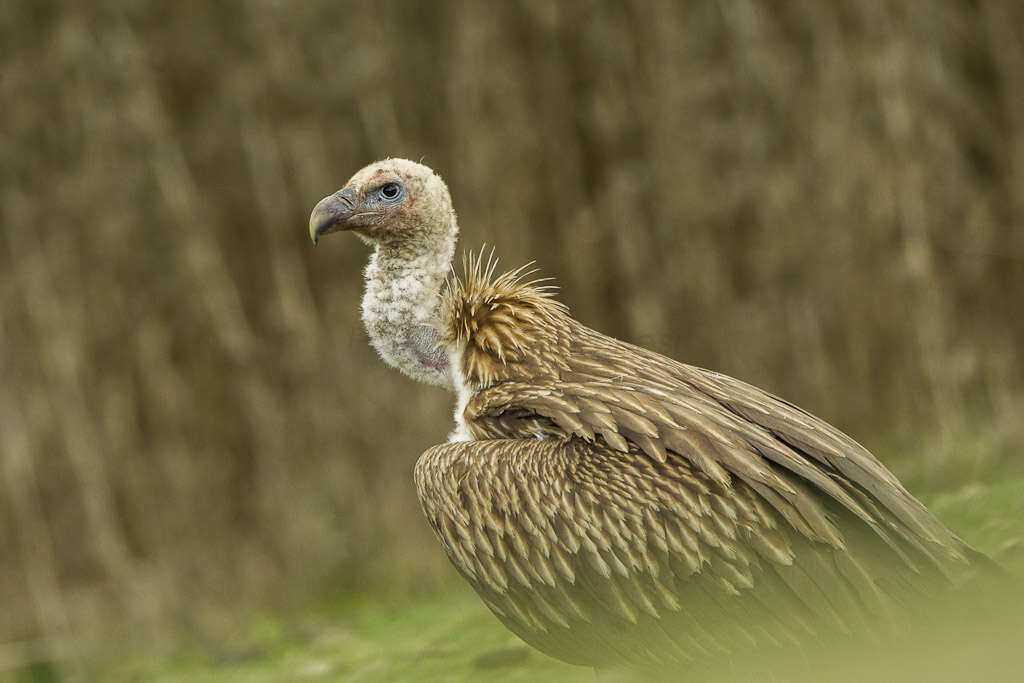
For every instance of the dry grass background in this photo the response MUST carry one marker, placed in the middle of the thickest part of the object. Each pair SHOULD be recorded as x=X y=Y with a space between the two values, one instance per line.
x=826 y=199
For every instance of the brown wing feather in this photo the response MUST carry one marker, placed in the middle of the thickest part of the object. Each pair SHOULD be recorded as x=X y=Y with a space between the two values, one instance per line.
x=726 y=429
x=599 y=557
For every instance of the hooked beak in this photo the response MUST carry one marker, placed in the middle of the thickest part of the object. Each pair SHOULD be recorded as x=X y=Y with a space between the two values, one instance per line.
x=332 y=213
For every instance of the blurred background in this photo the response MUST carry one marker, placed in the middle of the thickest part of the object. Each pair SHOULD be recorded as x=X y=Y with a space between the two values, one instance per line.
x=824 y=199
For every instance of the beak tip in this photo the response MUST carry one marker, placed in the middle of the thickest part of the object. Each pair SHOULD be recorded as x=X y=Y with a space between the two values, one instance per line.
x=319 y=222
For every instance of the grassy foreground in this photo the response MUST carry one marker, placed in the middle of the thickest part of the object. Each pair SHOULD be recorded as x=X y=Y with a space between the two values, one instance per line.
x=451 y=637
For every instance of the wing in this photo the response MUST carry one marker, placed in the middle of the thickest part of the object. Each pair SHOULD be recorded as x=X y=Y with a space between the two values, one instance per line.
x=598 y=556
x=619 y=506
x=607 y=392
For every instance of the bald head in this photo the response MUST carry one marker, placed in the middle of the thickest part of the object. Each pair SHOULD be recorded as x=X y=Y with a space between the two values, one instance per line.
x=389 y=202
x=404 y=211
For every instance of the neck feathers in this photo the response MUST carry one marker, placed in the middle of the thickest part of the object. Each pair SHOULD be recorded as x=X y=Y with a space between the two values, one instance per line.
x=402 y=303
x=492 y=319
x=488 y=323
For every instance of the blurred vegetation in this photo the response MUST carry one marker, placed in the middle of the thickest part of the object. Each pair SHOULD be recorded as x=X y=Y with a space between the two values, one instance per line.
x=825 y=199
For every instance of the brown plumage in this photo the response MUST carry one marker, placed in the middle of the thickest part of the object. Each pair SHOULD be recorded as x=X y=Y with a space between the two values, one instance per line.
x=614 y=507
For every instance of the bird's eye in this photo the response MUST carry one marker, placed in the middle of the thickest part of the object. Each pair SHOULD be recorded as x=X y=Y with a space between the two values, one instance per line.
x=390 y=191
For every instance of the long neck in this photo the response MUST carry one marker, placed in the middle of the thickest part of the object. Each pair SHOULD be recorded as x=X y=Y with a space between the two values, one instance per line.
x=400 y=306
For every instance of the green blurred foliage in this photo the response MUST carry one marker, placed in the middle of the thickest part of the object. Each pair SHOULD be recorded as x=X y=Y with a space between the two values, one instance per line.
x=825 y=199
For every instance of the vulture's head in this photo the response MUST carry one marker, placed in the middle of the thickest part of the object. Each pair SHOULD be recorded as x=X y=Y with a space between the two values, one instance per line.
x=391 y=202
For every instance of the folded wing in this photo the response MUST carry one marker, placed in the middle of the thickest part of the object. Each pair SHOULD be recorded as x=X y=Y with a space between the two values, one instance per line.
x=598 y=556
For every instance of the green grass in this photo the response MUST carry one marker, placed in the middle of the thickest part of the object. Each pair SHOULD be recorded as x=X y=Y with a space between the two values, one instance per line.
x=447 y=637
x=452 y=637
x=989 y=516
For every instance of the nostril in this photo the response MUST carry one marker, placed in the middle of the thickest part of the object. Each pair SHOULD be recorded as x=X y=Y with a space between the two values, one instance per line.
x=347 y=196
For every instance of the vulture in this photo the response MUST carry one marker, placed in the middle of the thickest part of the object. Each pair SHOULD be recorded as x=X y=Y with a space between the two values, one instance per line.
x=611 y=506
